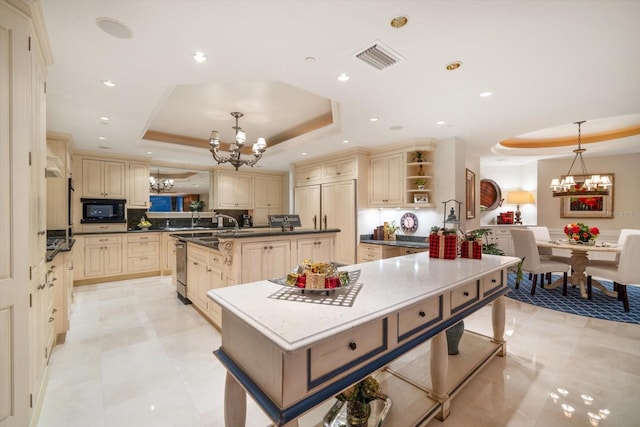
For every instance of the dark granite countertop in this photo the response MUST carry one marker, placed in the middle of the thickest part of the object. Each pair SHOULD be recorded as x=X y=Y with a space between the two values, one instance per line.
x=416 y=242
x=210 y=240
x=51 y=254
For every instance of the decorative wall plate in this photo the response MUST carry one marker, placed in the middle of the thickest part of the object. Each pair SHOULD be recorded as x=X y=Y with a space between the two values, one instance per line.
x=409 y=222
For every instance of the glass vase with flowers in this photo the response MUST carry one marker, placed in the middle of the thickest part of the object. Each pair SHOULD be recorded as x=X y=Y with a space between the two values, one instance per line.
x=581 y=233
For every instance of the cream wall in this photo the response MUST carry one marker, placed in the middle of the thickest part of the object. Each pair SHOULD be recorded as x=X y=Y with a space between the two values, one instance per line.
x=626 y=203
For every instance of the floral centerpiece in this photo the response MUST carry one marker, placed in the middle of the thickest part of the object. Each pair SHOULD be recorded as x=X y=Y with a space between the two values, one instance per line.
x=358 y=398
x=581 y=233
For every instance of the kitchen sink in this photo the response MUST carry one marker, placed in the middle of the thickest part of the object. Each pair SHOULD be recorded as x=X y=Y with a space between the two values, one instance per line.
x=186 y=228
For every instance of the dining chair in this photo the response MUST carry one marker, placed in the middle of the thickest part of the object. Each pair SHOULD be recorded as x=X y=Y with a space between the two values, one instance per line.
x=542 y=233
x=621 y=239
x=524 y=244
x=627 y=272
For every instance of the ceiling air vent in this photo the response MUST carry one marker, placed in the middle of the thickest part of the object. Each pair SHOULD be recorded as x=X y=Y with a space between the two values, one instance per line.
x=379 y=56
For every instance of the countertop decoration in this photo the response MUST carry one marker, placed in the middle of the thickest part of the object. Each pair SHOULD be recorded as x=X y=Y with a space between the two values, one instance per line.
x=581 y=233
x=144 y=223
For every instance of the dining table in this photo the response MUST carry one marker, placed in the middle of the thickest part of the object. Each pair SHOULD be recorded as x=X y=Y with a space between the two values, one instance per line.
x=579 y=262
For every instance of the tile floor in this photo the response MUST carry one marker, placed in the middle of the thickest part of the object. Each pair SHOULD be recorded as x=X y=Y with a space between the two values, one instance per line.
x=135 y=356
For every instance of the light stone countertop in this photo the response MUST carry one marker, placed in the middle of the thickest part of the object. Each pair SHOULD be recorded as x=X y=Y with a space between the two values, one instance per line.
x=388 y=285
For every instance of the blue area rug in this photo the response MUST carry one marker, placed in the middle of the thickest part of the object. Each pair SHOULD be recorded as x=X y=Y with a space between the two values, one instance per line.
x=600 y=306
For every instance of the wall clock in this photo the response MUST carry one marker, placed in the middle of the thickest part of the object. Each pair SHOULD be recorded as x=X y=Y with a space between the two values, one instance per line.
x=409 y=222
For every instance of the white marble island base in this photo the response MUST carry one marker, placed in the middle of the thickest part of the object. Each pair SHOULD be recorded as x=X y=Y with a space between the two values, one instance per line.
x=291 y=357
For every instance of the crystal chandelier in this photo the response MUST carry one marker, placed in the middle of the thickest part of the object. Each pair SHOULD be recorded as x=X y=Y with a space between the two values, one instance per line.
x=580 y=185
x=160 y=185
x=234 y=156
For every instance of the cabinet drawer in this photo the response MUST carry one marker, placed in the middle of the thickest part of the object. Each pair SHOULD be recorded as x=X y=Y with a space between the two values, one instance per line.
x=346 y=350
x=197 y=252
x=143 y=249
x=102 y=240
x=216 y=259
x=143 y=263
x=102 y=228
x=151 y=237
x=419 y=316
x=492 y=282
x=464 y=296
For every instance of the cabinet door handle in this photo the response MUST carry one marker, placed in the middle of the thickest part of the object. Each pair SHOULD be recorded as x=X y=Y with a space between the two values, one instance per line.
x=493 y=280
x=315 y=222
x=352 y=345
x=270 y=247
x=265 y=247
x=325 y=221
x=51 y=319
x=421 y=313
x=55 y=310
x=465 y=293
x=195 y=263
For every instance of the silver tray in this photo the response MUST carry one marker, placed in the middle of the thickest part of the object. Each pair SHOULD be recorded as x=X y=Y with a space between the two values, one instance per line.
x=353 y=278
x=337 y=415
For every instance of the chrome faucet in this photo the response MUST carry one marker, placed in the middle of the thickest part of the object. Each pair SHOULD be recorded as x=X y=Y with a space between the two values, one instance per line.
x=235 y=221
x=195 y=221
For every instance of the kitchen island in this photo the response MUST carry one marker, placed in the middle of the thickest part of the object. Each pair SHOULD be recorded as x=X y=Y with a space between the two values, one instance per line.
x=223 y=258
x=291 y=355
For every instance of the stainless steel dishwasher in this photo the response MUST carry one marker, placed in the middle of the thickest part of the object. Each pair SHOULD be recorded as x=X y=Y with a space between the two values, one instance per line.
x=181 y=271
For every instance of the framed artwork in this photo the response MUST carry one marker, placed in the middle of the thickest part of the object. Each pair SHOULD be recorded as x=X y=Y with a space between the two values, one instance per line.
x=588 y=206
x=470 y=200
x=420 y=198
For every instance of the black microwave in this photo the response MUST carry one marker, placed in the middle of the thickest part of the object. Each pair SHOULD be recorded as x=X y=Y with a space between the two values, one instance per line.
x=103 y=210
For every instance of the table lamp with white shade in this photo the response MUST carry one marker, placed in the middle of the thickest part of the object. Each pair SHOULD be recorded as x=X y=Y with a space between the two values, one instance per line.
x=519 y=197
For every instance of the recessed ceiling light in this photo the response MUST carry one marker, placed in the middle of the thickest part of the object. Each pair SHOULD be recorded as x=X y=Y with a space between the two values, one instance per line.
x=397 y=127
x=399 y=21
x=149 y=152
x=304 y=154
x=108 y=83
x=453 y=65
x=102 y=138
x=373 y=119
x=346 y=141
x=114 y=28
x=104 y=147
x=199 y=57
x=343 y=77
x=486 y=94
x=441 y=122
x=310 y=59
x=104 y=118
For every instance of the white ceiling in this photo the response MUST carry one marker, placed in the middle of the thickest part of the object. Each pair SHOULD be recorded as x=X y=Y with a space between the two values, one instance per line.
x=548 y=64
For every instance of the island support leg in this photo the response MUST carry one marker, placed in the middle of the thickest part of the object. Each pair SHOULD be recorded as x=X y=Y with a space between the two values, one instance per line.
x=498 y=314
x=439 y=365
x=235 y=403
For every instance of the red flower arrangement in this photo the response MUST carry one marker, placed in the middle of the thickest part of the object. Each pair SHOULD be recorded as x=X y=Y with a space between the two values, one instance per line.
x=581 y=233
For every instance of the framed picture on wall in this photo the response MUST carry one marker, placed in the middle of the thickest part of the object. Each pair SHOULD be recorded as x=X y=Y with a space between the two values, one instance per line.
x=470 y=194
x=588 y=206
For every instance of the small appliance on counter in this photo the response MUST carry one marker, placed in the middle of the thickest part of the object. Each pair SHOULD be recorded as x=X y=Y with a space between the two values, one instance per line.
x=247 y=221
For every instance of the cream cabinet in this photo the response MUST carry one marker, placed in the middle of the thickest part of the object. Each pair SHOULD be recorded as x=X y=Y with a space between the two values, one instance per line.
x=386 y=176
x=63 y=293
x=58 y=186
x=307 y=205
x=338 y=211
x=263 y=260
x=309 y=174
x=267 y=201
x=103 y=179
x=103 y=256
x=205 y=271
x=341 y=169
x=319 y=248
x=371 y=252
x=138 y=186
x=501 y=236
x=143 y=252
x=233 y=190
